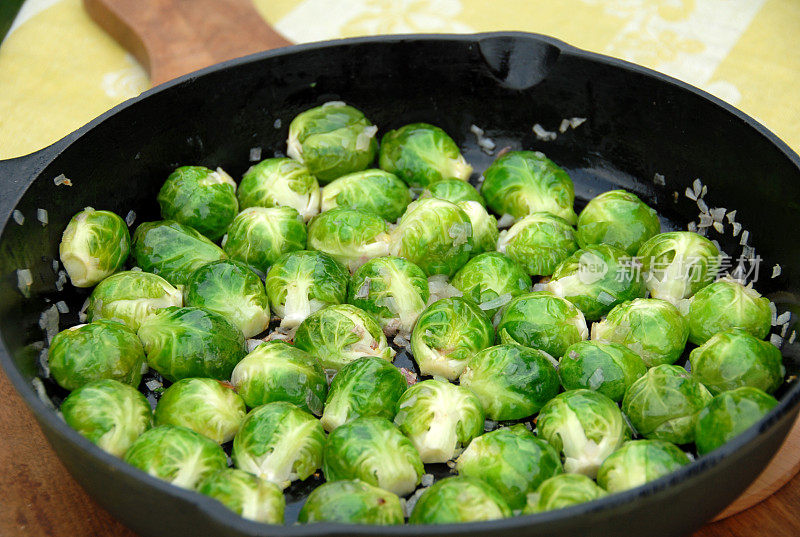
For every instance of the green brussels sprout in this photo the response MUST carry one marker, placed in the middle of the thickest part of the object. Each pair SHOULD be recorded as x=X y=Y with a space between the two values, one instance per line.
x=585 y=427
x=341 y=333
x=608 y=368
x=100 y=350
x=349 y=236
x=172 y=250
x=205 y=406
x=663 y=404
x=130 y=297
x=434 y=234
x=95 y=245
x=366 y=386
x=277 y=371
x=512 y=460
x=109 y=413
x=332 y=140
x=439 y=418
x=525 y=182
x=191 y=342
x=652 y=328
x=491 y=280
x=280 y=443
x=392 y=289
x=177 y=455
x=246 y=495
x=539 y=243
x=421 y=154
x=618 y=218
x=234 y=291
x=453 y=190
x=484 y=227
x=351 y=502
x=638 y=462
x=280 y=182
x=733 y=359
x=678 y=264
x=512 y=381
x=302 y=282
x=447 y=334
x=562 y=490
x=459 y=499
x=375 y=451
x=200 y=198
x=596 y=279
x=727 y=304
x=541 y=320
x=371 y=191
x=258 y=236
x=728 y=415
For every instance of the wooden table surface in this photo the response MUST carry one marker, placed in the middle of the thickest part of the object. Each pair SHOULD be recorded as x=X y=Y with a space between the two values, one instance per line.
x=40 y=499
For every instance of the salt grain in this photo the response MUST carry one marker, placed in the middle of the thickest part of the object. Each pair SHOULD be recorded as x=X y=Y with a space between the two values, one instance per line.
x=130 y=218
x=19 y=218
x=704 y=191
x=255 y=154
x=61 y=180
x=55 y=266
x=690 y=194
x=544 y=134
x=731 y=216
x=776 y=340
x=42 y=216
x=277 y=123
x=48 y=322
x=718 y=227
x=426 y=480
x=784 y=329
x=62 y=307
x=576 y=122
x=745 y=236
x=562 y=128
x=702 y=206
x=692 y=226
x=659 y=180
x=783 y=318
x=153 y=385
x=792 y=336
x=697 y=187
x=705 y=221
x=776 y=271
x=737 y=227
x=717 y=213
x=24 y=282
x=774 y=312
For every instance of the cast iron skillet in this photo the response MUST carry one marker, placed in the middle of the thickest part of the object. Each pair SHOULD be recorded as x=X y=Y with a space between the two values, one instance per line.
x=639 y=123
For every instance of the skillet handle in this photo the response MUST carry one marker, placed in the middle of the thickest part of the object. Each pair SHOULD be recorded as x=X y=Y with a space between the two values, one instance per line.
x=171 y=38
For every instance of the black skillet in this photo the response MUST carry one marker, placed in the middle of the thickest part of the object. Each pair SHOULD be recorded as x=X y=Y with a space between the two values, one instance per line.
x=639 y=123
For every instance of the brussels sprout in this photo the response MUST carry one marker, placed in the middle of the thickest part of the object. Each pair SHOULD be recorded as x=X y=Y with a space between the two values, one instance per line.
x=733 y=359
x=375 y=451
x=421 y=154
x=172 y=250
x=663 y=404
x=608 y=368
x=525 y=182
x=638 y=462
x=727 y=304
x=439 y=418
x=332 y=140
x=99 y=350
x=277 y=371
x=484 y=227
x=351 y=502
x=204 y=405
x=351 y=237
x=109 y=413
x=512 y=460
x=541 y=320
x=246 y=495
x=618 y=218
x=454 y=191
x=512 y=381
x=434 y=234
x=371 y=191
x=561 y=491
x=302 y=282
x=459 y=499
x=177 y=455
x=538 y=242
x=130 y=297
x=339 y=334
x=596 y=279
x=280 y=182
x=728 y=415
x=585 y=427
x=94 y=245
x=366 y=386
x=652 y=328
x=491 y=280
x=191 y=342
x=280 y=443
x=678 y=264
x=392 y=289
x=234 y=291
x=200 y=198
x=447 y=334
x=258 y=236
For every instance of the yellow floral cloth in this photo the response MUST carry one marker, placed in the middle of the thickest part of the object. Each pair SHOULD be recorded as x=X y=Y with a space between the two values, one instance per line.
x=58 y=70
